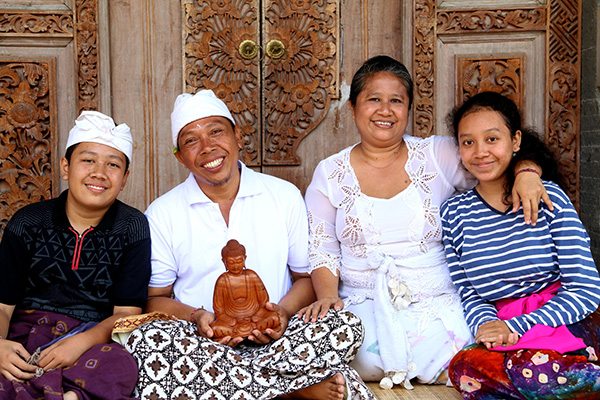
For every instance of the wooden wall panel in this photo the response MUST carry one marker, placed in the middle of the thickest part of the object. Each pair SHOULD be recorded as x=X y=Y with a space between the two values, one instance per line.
x=146 y=76
x=28 y=140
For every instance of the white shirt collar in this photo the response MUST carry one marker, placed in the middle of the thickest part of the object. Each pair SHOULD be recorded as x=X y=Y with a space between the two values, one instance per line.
x=249 y=186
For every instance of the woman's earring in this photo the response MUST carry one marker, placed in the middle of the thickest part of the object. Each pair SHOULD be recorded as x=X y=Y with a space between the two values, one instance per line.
x=514 y=154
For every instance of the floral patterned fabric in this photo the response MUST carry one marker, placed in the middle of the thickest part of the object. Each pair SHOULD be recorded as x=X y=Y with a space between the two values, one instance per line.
x=481 y=374
x=175 y=362
x=390 y=259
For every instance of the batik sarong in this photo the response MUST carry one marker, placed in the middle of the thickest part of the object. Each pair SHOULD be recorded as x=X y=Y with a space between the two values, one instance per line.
x=482 y=374
x=175 y=362
x=104 y=372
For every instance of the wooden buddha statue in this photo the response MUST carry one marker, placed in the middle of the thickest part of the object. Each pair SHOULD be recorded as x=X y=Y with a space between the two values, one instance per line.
x=239 y=298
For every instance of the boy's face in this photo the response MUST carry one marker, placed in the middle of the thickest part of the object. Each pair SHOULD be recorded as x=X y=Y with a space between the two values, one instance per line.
x=96 y=175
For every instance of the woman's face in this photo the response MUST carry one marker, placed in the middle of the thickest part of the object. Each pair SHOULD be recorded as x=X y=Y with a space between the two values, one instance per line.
x=381 y=110
x=486 y=145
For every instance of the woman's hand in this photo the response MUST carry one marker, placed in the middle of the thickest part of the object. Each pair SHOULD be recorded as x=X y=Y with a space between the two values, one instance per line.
x=13 y=361
x=496 y=333
x=527 y=191
x=319 y=308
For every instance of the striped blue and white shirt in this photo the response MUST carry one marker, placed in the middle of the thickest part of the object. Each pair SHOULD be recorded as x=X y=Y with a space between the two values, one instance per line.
x=494 y=255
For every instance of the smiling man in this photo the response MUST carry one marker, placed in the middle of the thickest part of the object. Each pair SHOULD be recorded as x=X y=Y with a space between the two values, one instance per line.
x=70 y=267
x=220 y=200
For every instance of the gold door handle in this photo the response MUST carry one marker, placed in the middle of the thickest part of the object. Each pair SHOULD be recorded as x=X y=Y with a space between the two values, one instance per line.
x=248 y=49
x=275 y=49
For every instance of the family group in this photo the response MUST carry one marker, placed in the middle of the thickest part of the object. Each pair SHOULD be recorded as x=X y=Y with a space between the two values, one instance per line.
x=452 y=259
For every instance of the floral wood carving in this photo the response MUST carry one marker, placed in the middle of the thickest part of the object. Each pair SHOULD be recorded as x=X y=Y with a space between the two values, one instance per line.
x=292 y=75
x=491 y=20
x=213 y=32
x=81 y=25
x=423 y=68
x=86 y=38
x=299 y=85
x=563 y=89
x=36 y=23
x=498 y=75
x=27 y=135
x=559 y=19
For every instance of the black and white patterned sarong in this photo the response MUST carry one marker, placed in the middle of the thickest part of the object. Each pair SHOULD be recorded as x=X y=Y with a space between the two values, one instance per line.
x=175 y=362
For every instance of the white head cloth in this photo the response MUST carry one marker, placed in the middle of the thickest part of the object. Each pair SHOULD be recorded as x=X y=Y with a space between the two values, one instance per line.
x=190 y=107
x=95 y=127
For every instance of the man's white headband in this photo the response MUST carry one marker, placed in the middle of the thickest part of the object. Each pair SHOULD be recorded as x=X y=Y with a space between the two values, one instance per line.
x=190 y=108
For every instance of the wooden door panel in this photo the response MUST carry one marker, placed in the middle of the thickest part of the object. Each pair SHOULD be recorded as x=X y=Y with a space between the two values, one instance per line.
x=512 y=63
x=221 y=53
x=301 y=70
x=484 y=40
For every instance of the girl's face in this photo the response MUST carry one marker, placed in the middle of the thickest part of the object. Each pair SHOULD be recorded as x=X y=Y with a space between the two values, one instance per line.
x=381 y=110
x=486 y=145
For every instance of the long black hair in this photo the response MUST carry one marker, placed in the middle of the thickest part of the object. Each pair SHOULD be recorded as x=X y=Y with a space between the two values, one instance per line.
x=532 y=146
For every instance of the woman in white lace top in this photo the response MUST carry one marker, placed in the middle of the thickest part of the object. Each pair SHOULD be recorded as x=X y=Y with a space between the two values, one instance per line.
x=375 y=233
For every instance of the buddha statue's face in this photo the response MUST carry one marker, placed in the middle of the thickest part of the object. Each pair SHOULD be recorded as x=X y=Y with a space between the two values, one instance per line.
x=235 y=264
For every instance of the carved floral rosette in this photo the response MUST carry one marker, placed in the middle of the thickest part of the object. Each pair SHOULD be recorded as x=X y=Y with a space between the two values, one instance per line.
x=502 y=75
x=27 y=145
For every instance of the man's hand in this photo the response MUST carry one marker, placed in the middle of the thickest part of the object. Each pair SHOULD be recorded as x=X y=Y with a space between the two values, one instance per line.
x=13 y=361
x=269 y=334
x=64 y=353
x=203 y=319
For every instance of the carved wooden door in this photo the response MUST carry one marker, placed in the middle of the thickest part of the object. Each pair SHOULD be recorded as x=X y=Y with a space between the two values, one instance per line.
x=274 y=62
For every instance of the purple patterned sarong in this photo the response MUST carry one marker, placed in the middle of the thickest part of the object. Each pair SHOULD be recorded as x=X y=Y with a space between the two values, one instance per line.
x=105 y=371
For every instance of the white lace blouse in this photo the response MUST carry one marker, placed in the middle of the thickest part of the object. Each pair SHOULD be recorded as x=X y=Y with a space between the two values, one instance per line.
x=355 y=235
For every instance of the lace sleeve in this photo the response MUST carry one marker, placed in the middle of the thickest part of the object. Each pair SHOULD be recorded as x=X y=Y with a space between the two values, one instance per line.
x=324 y=247
x=448 y=160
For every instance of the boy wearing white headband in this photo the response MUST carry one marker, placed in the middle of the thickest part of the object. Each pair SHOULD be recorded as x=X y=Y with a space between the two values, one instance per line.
x=222 y=199
x=71 y=266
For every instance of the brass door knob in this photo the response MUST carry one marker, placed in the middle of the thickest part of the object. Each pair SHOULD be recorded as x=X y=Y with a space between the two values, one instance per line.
x=248 y=49
x=275 y=49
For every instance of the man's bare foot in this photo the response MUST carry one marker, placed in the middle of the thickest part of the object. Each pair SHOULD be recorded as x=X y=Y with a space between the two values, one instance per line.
x=70 y=396
x=330 y=389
